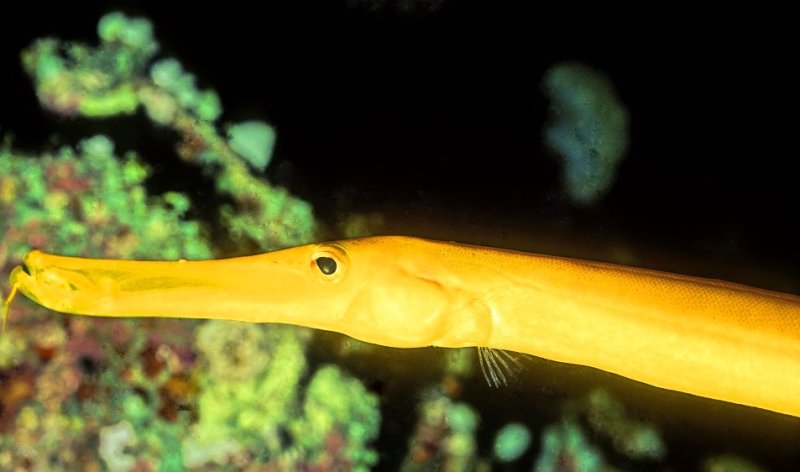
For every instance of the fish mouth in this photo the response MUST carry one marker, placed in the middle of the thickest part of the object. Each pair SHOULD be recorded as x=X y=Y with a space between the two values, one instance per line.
x=17 y=279
x=49 y=288
x=23 y=279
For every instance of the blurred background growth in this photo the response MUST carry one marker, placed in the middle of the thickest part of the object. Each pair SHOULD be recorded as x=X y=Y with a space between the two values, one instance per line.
x=132 y=130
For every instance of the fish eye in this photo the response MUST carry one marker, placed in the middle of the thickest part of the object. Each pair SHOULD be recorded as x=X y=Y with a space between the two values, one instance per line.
x=327 y=265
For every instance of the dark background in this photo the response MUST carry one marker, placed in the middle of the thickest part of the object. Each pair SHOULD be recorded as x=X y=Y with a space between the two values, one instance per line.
x=433 y=117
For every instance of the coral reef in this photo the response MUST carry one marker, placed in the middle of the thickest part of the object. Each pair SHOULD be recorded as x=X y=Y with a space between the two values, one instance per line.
x=249 y=404
x=637 y=440
x=580 y=440
x=444 y=438
x=511 y=442
x=92 y=394
x=588 y=129
x=87 y=201
x=565 y=448
x=340 y=419
x=112 y=79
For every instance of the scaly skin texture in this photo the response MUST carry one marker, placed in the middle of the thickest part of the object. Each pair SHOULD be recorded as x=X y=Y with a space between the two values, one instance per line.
x=704 y=337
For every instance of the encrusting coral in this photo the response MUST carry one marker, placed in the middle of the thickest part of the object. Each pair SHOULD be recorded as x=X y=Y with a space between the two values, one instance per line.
x=134 y=395
x=119 y=76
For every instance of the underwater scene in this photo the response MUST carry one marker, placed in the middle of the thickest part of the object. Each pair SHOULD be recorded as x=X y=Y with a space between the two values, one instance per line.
x=135 y=131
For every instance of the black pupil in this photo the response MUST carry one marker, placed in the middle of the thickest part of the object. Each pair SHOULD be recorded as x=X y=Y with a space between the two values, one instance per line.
x=327 y=265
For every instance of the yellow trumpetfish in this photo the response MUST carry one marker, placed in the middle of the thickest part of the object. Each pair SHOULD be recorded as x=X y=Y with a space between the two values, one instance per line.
x=704 y=337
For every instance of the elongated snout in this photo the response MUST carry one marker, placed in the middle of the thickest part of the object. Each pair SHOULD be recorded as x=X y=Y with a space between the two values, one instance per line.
x=254 y=288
